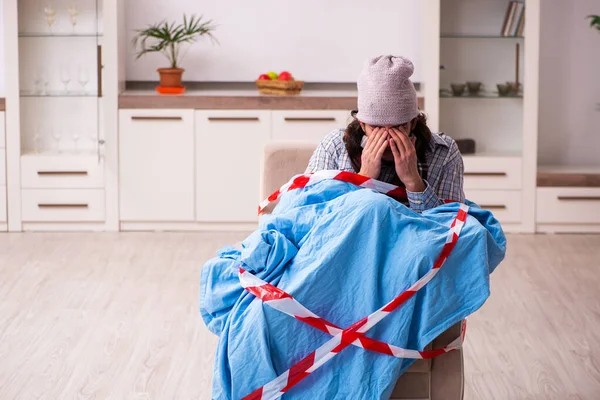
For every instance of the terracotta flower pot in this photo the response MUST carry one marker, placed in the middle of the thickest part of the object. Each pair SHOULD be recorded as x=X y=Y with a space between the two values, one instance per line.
x=170 y=77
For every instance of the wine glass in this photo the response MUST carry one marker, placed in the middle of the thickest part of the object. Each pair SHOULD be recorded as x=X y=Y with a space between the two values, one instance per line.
x=44 y=83
x=94 y=139
x=50 y=16
x=37 y=80
x=83 y=77
x=57 y=138
x=36 y=142
x=73 y=13
x=75 y=137
x=65 y=77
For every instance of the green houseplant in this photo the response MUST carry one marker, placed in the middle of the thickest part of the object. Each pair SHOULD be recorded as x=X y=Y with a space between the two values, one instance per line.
x=167 y=38
x=594 y=21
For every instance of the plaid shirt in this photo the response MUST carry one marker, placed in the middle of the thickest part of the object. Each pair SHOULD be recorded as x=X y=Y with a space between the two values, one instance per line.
x=444 y=169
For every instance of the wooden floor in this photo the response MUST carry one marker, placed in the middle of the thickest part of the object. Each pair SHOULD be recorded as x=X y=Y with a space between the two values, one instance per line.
x=115 y=316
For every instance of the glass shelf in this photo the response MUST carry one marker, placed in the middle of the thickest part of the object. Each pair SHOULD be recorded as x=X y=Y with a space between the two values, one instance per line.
x=469 y=36
x=56 y=153
x=59 y=34
x=60 y=94
x=481 y=96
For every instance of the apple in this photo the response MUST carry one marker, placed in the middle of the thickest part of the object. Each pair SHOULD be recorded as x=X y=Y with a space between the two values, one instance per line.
x=285 y=76
x=272 y=75
x=264 y=77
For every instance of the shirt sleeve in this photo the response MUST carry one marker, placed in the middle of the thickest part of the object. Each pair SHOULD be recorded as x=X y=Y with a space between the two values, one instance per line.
x=323 y=158
x=450 y=188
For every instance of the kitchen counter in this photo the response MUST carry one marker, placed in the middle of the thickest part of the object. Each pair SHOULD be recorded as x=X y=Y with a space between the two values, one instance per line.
x=241 y=96
x=2 y=104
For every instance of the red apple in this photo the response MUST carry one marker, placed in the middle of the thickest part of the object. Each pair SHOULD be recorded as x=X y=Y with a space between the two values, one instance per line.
x=264 y=77
x=285 y=76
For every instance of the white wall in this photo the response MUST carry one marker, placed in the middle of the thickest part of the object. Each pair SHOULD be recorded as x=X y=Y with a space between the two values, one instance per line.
x=1 y=48
x=316 y=40
x=569 y=125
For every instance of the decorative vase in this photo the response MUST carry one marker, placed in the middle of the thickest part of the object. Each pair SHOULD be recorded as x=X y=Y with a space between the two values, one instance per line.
x=457 y=89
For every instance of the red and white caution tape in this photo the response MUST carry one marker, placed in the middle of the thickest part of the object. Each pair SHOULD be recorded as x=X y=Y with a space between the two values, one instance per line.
x=284 y=302
x=355 y=333
x=302 y=181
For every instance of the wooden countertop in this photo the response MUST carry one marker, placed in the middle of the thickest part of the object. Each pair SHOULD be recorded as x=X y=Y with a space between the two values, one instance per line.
x=568 y=176
x=241 y=97
x=2 y=104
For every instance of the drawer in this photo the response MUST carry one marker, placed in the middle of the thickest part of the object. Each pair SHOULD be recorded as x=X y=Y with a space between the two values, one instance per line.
x=568 y=205
x=61 y=171
x=504 y=204
x=307 y=125
x=63 y=205
x=2 y=131
x=492 y=172
x=2 y=167
x=3 y=209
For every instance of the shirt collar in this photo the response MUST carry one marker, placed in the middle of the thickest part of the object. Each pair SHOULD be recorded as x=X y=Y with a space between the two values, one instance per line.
x=437 y=140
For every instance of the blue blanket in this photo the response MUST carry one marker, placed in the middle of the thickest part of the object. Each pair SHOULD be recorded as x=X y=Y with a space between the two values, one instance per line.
x=343 y=252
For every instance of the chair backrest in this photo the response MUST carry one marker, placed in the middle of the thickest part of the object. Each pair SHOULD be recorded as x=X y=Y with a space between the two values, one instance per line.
x=281 y=161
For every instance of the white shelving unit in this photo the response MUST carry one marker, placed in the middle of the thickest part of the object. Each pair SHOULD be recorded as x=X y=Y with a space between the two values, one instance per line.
x=56 y=126
x=464 y=44
x=568 y=193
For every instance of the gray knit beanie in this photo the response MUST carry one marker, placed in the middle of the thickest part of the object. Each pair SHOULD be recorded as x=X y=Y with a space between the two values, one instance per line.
x=386 y=96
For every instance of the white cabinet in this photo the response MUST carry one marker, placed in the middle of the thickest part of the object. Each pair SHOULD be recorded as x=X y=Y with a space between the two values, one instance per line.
x=495 y=183
x=61 y=172
x=2 y=167
x=504 y=204
x=568 y=205
x=2 y=131
x=492 y=172
x=3 y=208
x=229 y=145
x=156 y=165
x=63 y=205
x=307 y=125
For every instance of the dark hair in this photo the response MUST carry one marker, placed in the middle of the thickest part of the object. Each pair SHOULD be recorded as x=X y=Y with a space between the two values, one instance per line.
x=354 y=133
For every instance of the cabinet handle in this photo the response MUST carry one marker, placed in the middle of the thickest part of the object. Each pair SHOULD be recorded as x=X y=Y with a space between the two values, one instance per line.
x=62 y=205
x=61 y=173
x=144 y=118
x=233 y=119
x=99 y=66
x=308 y=119
x=493 y=207
x=490 y=174
x=578 y=198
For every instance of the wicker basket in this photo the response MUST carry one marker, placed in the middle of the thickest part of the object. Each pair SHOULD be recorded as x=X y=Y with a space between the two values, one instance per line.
x=278 y=87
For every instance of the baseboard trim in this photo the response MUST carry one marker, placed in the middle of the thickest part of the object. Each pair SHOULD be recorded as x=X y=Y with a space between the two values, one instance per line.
x=188 y=226
x=63 y=227
x=568 y=228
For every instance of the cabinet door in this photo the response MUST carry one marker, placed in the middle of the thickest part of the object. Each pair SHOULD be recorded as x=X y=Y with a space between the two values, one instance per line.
x=2 y=131
x=3 y=204
x=156 y=165
x=308 y=125
x=229 y=146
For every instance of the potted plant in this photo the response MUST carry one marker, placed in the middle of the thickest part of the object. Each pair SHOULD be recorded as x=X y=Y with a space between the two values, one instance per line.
x=594 y=21
x=167 y=38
